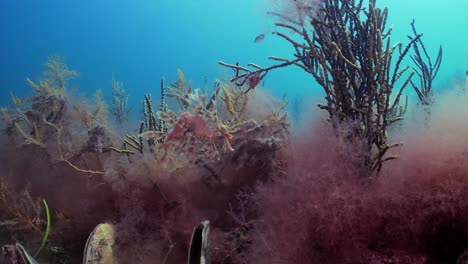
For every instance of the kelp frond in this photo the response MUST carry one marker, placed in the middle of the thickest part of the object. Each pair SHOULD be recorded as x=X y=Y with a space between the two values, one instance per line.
x=43 y=87
x=58 y=71
x=5 y=115
x=235 y=101
x=17 y=102
x=120 y=108
x=93 y=116
x=179 y=87
x=102 y=109
x=282 y=106
x=181 y=82
x=55 y=78
x=28 y=138
x=47 y=231
x=34 y=136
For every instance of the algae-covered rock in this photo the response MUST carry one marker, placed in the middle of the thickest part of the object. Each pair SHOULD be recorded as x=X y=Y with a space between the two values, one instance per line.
x=99 y=247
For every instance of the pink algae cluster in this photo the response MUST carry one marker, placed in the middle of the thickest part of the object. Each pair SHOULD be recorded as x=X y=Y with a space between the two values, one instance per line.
x=191 y=134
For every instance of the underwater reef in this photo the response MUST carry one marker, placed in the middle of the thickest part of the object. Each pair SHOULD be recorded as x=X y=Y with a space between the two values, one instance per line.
x=221 y=176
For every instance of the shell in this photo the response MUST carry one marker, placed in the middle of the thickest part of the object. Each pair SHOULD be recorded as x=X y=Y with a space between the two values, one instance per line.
x=99 y=247
x=199 y=247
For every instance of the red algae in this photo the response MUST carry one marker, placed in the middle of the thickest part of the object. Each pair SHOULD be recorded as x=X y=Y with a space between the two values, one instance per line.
x=325 y=212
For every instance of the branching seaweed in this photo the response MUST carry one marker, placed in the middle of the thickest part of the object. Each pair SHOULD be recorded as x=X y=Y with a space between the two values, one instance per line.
x=347 y=49
x=55 y=79
x=235 y=102
x=20 y=210
x=120 y=108
x=426 y=70
x=93 y=116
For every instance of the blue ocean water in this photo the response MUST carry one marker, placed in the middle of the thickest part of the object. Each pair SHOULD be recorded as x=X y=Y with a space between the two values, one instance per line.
x=142 y=41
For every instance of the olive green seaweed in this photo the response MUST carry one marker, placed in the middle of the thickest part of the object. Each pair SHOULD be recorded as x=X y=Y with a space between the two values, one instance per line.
x=47 y=232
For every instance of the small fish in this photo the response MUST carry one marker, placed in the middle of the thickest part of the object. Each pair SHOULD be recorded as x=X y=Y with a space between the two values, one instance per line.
x=259 y=38
x=166 y=115
x=156 y=135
